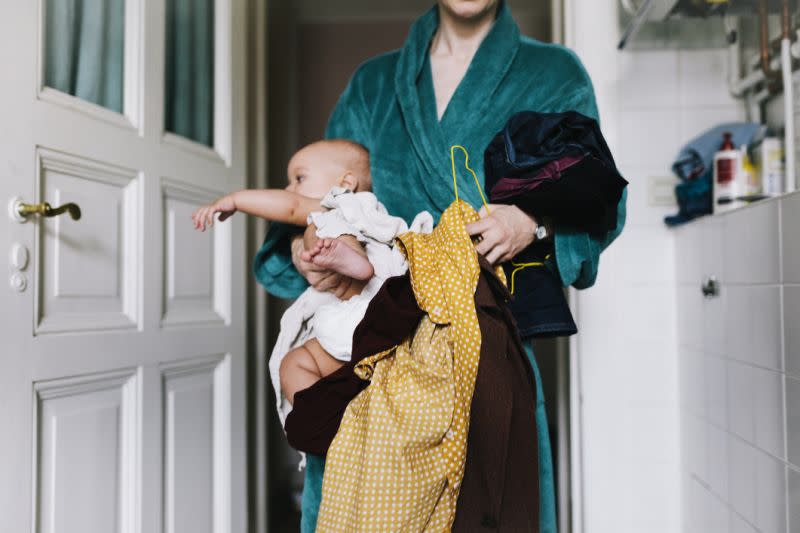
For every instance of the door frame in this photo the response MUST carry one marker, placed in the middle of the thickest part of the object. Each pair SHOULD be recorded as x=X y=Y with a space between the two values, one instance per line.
x=570 y=502
x=256 y=298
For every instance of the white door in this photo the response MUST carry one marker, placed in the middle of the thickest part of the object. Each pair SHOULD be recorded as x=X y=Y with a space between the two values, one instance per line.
x=122 y=351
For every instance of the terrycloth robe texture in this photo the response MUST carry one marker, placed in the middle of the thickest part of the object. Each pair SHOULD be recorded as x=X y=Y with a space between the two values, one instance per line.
x=389 y=107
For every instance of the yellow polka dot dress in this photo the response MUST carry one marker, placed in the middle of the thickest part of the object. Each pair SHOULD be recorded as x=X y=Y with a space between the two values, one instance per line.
x=397 y=461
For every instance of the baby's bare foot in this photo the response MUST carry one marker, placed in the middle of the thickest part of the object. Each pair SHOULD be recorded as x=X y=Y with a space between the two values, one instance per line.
x=308 y=255
x=337 y=256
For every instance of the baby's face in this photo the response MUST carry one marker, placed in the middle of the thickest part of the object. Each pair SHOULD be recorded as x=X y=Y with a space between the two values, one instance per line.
x=313 y=171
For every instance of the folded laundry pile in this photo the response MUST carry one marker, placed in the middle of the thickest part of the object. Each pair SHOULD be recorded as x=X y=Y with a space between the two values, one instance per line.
x=556 y=167
x=399 y=436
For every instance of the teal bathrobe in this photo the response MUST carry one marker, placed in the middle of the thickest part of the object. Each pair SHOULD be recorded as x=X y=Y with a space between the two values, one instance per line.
x=390 y=108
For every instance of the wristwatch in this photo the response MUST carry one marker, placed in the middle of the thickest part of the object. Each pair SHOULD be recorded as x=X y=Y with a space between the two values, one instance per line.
x=541 y=232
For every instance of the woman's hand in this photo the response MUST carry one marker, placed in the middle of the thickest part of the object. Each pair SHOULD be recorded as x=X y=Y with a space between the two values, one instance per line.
x=224 y=205
x=504 y=233
x=322 y=279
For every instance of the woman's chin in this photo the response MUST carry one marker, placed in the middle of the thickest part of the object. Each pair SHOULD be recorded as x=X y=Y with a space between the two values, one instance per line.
x=469 y=10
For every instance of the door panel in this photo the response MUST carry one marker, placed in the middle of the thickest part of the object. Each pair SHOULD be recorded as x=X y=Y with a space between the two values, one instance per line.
x=195 y=264
x=87 y=269
x=196 y=423
x=87 y=446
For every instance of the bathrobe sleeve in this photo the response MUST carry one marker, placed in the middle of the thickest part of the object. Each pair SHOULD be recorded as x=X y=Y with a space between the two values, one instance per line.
x=272 y=265
x=577 y=252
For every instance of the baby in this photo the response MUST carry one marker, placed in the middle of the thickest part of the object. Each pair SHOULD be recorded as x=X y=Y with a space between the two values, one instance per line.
x=347 y=231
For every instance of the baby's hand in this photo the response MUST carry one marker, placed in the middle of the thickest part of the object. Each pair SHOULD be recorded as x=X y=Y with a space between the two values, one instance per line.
x=225 y=206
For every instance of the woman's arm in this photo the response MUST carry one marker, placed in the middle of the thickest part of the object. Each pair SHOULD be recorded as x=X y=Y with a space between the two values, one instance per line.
x=577 y=252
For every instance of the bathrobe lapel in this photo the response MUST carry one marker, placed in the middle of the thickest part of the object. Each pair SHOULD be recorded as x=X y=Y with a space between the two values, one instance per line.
x=466 y=120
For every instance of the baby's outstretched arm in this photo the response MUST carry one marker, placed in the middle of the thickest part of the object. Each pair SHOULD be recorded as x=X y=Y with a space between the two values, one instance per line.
x=275 y=205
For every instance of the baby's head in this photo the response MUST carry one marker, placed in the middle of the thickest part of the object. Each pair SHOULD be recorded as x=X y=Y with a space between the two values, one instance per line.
x=315 y=168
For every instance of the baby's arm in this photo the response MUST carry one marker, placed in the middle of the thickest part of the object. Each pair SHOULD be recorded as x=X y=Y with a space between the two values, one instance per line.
x=276 y=205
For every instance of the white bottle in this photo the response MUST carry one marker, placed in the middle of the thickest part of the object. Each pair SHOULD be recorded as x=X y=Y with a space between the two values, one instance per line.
x=770 y=164
x=749 y=178
x=727 y=185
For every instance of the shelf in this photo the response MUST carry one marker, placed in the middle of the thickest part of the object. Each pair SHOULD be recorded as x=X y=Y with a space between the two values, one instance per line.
x=662 y=10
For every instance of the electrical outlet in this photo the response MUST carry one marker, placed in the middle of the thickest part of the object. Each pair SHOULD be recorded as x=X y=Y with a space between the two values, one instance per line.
x=661 y=190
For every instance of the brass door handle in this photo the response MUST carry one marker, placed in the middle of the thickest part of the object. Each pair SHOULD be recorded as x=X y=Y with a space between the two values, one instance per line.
x=21 y=211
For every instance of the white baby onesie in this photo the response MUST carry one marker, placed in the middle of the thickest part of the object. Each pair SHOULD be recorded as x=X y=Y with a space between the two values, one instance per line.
x=322 y=315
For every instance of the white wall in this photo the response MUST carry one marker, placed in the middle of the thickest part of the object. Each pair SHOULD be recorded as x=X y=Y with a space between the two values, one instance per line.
x=732 y=371
x=651 y=102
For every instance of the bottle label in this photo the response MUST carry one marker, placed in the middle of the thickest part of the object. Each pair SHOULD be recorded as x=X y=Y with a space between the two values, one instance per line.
x=725 y=170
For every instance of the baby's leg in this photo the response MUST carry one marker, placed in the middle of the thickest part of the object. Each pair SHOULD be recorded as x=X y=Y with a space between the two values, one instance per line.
x=304 y=366
x=344 y=255
x=327 y=254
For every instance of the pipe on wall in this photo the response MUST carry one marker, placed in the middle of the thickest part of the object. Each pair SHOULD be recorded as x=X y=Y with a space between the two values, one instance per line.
x=763 y=23
x=739 y=86
x=788 y=97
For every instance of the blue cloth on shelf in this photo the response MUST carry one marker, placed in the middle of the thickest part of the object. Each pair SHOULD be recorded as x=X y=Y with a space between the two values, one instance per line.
x=697 y=156
x=694 y=165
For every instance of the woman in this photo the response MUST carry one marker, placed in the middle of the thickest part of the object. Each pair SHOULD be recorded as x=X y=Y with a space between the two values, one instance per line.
x=463 y=71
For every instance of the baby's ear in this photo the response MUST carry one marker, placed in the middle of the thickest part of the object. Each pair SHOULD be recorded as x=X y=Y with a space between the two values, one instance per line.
x=349 y=181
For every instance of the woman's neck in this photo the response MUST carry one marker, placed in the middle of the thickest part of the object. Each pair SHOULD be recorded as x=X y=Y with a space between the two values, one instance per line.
x=460 y=37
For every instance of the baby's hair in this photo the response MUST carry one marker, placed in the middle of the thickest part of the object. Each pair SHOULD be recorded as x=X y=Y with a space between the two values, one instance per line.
x=356 y=159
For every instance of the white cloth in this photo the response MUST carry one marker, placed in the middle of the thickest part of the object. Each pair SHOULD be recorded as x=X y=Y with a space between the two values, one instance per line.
x=322 y=315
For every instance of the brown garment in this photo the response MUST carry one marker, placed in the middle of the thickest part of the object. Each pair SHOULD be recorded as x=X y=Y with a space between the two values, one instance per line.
x=500 y=489
x=317 y=411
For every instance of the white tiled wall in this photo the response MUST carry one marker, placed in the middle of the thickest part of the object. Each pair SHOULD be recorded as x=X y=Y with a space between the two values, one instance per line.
x=651 y=102
x=739 y=379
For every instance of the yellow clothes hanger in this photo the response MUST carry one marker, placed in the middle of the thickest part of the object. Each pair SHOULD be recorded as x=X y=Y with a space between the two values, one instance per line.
x=517 y=266
x=475 y=176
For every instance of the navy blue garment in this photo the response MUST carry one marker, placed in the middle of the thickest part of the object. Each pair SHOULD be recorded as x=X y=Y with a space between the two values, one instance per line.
x=530 y=140
x=538 y=303
x=583 y=196
x=552 y=166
